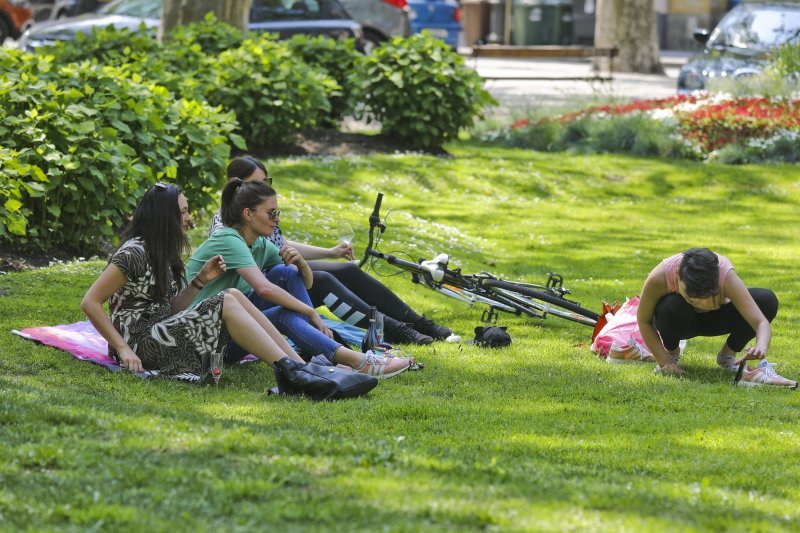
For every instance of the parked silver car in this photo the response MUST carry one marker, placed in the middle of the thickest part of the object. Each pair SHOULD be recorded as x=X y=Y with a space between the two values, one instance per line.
x=380 y=19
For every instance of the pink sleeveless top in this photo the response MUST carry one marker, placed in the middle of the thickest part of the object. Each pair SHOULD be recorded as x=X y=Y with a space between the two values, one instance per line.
x=672 y=265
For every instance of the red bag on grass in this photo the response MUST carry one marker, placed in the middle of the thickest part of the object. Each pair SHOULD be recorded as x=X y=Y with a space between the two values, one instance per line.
x=607 y=311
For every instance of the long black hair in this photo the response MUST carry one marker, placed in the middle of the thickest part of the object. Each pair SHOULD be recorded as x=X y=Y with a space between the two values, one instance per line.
x=699 y=272
x=157 y=221
x=243 y=166
x=239 y=195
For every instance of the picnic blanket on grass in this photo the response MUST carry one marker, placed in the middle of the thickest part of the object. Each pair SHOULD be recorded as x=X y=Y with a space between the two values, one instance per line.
x=83 y=342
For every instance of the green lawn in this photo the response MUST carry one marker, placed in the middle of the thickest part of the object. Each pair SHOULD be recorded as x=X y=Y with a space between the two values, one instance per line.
x=539 y=436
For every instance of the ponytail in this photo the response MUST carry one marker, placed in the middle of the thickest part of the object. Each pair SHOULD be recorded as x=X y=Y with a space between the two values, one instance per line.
x=239 y=195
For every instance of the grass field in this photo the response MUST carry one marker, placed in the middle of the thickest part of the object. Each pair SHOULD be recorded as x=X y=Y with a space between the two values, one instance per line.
x=538 y=436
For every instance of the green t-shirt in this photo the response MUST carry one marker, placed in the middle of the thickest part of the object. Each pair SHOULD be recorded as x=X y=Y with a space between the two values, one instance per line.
x=234 y=250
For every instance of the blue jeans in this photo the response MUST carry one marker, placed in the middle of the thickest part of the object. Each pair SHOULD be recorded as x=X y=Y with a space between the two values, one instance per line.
x=295 y=326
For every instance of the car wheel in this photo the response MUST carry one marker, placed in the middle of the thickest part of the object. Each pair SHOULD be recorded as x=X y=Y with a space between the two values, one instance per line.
x=4 y=31
x=372 y=40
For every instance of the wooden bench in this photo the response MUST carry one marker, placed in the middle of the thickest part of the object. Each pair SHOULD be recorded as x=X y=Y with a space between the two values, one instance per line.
x=547 y=52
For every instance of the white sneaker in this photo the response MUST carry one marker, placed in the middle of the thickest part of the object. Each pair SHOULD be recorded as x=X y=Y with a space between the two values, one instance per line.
x=764 y=374
x=382 y=367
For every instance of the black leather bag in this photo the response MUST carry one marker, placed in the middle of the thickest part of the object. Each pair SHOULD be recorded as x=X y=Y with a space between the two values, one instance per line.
x=492 y=336
x=320 y=379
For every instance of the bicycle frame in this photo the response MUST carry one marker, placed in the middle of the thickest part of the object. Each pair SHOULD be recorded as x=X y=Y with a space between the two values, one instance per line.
x=512 y=297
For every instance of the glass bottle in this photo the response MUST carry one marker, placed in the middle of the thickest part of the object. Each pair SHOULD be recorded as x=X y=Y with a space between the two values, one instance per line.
x=371 y=336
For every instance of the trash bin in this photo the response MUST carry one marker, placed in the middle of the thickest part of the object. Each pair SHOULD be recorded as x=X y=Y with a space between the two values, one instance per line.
x=538 y=22
x=583 y=22
x=497 y=22
x=475 y=21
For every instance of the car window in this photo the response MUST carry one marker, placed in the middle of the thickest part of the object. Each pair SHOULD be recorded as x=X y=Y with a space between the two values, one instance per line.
x=273 y=10
x=758 y=29
x=134 y=8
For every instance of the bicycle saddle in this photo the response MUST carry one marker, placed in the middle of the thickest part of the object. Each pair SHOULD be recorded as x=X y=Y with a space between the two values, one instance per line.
x=436 y=266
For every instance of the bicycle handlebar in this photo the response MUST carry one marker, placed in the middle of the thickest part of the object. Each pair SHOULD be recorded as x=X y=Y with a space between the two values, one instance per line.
x=374 y=222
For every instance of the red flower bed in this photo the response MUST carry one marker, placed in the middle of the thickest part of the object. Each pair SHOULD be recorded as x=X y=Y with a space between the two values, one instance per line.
x=637 y=106
x=715 y=125
x=710 y=124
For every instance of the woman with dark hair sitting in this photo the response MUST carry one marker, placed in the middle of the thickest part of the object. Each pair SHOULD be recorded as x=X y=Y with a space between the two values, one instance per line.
x=344 y=288
x=250 y=213
x=698 y=294
x=151 y=326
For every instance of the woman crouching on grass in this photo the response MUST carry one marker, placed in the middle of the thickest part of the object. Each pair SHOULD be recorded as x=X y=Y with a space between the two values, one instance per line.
x=697 y=293
x=250 y=214
x=150 y=327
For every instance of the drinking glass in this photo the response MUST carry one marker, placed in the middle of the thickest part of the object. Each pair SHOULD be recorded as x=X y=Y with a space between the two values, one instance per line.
x=379 y=326
x=346 y=232
x=216 y=367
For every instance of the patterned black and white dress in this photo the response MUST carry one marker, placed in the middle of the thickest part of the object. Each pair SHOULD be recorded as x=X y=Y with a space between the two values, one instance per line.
x=170 y=343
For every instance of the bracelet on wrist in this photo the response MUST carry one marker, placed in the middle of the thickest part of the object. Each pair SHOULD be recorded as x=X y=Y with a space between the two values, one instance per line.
x=196 y=284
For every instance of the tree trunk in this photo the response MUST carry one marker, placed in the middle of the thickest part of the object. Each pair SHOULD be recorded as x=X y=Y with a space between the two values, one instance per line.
x=179 y=12
x=630 y=25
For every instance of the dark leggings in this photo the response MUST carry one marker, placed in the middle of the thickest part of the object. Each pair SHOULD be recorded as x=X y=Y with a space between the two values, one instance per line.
x=348 y=292
x=675 y=319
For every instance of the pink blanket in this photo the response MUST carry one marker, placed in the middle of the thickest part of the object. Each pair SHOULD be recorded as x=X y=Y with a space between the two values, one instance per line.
x=85 y=343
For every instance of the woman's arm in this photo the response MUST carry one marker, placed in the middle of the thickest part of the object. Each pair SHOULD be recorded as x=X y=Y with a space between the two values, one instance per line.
x=213 y=268
x=272 y=293
x=655 y=288
x=309 y=252
x=736 y=291
x=110 y=281
x=291 y=256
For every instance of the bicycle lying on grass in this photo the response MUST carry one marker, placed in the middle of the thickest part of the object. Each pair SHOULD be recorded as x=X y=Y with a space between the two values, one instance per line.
x=500 y=295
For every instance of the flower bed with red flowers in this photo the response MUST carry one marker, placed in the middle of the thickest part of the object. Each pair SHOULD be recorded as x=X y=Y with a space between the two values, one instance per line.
x=718 y=124
x=705 y=123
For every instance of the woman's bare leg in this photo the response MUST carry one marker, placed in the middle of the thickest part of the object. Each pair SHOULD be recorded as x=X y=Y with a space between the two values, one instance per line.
x=249 y=333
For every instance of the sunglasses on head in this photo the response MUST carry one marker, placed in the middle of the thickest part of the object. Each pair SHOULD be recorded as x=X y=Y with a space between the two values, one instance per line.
x=161 y=186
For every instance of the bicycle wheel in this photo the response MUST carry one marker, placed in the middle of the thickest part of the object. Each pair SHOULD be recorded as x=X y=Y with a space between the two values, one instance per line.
x=568 y=310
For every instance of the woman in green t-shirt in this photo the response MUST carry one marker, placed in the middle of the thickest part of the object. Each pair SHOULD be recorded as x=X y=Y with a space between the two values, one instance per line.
x=249 y=212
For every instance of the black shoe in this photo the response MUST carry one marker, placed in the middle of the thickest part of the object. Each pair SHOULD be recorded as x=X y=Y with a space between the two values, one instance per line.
x=429 y=327
x=406 y=334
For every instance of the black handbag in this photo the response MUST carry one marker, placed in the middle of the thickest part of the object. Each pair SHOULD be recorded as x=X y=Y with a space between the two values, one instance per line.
x=320 y=379
x=492 y=336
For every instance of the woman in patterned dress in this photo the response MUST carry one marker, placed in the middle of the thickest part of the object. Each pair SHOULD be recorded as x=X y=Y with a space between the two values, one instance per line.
x=151 y=326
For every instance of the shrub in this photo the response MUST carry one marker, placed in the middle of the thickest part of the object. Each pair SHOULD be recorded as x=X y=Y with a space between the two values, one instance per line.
x=273 y=93
x=338 y=59
x=109 y=46
x=92 y=138
x=786 y=60
x=421 y=91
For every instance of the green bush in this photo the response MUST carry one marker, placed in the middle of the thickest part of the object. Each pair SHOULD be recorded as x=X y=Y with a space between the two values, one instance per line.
x=273 y=93
x=92 y=139
x=421 y=91
x=109 y=46
x=338 y=59
x=785 y=60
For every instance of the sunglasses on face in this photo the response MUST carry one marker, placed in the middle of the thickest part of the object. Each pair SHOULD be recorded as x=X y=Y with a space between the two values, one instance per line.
x=272 y=213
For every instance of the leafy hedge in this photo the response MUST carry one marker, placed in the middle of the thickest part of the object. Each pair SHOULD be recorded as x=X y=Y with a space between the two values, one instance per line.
x=81 y=142
x=421 y=91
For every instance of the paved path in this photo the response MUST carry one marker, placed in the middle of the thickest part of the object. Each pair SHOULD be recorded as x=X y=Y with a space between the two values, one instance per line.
x=516 y=96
